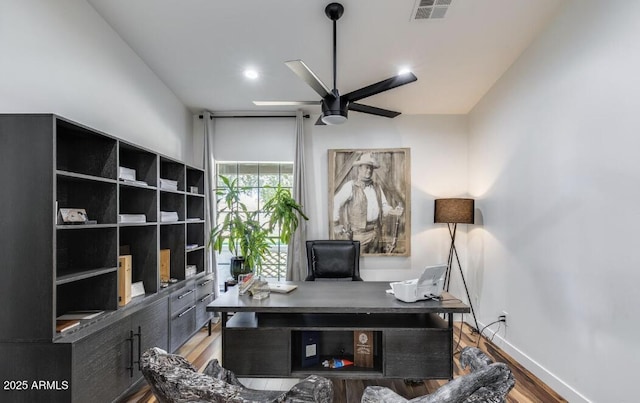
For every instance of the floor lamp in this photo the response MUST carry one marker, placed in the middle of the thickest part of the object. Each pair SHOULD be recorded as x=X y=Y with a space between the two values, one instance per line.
x=453 y=212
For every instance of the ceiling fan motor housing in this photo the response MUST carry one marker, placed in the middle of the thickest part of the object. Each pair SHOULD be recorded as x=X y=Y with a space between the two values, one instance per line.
x=334 y=109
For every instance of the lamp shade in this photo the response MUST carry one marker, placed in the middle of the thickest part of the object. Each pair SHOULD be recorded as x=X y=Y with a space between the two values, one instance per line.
x=460 y=211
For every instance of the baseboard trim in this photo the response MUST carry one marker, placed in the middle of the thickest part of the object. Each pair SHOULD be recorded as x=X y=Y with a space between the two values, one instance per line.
x=546 y=376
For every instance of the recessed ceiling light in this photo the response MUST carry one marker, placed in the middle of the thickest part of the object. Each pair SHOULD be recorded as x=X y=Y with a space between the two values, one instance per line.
x=251 y=74
x=404 y=70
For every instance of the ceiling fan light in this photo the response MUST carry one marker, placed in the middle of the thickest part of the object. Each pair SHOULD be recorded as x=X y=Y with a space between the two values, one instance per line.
x=333 y=119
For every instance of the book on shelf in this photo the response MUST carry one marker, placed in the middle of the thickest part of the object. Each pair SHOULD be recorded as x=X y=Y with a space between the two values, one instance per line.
x=194 y=219
x=132 y=218
x=165 y=265
x=191 y=246
x=66 y=325
x=168 y=216
x=80 y=315
x=168 y=184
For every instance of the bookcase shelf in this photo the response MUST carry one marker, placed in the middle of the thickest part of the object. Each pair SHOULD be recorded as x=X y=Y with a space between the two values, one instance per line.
x=54 y=268
x=84 y=274
x=83 y=176
x=84 y=151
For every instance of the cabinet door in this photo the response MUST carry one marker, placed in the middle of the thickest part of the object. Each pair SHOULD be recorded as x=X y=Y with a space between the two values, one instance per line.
x=151 y=324
x=251 y=352
x=101 y=364
x=418 y=353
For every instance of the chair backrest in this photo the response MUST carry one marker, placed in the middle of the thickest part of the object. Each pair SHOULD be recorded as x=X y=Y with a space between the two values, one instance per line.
x=333 y=259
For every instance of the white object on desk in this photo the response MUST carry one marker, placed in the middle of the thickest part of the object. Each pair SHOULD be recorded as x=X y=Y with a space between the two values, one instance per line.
x=428 y=286
x=282 y=288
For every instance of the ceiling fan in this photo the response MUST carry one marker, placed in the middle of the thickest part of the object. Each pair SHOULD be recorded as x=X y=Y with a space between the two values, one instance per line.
x=335 y=106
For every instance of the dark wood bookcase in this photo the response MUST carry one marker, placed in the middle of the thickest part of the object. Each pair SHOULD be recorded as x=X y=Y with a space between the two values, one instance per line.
x=50 y=268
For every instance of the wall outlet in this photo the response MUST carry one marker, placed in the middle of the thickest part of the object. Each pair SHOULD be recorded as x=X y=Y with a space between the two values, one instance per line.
x=503 y=317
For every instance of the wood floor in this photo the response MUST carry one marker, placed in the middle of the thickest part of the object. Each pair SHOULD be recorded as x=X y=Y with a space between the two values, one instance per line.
x=202 y=348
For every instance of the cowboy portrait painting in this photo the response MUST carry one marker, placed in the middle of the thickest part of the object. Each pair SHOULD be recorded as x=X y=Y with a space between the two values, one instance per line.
x=369 y=199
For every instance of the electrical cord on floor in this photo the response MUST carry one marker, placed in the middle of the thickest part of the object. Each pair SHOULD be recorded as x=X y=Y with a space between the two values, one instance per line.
x=490 y=324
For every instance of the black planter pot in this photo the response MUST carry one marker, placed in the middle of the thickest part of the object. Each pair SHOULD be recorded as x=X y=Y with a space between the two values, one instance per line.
x=238 y=267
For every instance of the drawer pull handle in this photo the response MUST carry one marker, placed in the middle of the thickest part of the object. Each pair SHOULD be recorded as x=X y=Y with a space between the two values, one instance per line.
x=130 y=340
x=185 y=294
x=205 y=283
x=185 y=312
x=139 y=335
x=206 y=297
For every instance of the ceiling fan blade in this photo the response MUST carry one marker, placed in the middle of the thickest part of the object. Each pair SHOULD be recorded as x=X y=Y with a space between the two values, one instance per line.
x=308 y=76
x=372 y=110
x=319 y=122
x=381 y=86
x=285 y=103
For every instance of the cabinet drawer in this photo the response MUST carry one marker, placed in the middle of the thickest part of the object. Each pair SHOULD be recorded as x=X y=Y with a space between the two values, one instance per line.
x=183 y=324
x=204 y=287
x=201 y=309
x=428 y=359
x=182 y=298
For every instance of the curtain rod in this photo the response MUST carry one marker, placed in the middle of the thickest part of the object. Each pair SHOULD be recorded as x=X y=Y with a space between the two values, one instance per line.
x=253 y=116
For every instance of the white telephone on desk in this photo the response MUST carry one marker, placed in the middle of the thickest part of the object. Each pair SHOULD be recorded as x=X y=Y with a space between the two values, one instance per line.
x=428 y=286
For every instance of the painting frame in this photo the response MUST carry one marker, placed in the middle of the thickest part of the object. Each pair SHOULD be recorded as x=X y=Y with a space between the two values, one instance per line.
x=382 y=231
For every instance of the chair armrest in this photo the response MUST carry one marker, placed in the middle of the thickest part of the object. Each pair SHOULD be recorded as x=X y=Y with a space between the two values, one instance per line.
x=313 y=389
x=380 y=394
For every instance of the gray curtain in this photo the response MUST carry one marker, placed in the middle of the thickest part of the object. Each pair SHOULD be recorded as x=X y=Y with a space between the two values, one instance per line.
x=296 y=255
x=209 y=187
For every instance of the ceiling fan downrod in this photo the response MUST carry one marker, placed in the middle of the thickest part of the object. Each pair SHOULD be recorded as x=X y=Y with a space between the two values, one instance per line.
x=334 y=11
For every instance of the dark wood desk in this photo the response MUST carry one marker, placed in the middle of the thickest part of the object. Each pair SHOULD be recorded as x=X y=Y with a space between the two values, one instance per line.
x=262 y=338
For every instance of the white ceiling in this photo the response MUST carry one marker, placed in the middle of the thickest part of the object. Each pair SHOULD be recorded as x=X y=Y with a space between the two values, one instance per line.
x=199 y=48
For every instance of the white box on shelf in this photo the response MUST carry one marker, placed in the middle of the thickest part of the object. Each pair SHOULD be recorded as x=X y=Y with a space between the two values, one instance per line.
x=127 y=173
x=132 y=218
x=190 y=271
x=168 y=216
x=168 y=184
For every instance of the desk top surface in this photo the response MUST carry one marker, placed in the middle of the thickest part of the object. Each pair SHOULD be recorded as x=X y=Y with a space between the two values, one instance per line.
x=334 y=297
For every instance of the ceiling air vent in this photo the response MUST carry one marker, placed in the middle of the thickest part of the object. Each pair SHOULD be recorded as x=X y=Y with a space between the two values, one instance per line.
x=430 y=9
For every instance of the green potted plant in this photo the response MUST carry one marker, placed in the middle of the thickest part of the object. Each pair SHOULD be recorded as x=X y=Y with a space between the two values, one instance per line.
x=284 y=213
x=240 y=229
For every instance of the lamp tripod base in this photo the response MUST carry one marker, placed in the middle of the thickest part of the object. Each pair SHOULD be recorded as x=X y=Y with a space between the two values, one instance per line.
x=454 y=252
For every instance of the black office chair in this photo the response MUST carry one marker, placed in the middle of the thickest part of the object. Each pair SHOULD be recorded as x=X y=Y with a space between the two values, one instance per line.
x=336 y=259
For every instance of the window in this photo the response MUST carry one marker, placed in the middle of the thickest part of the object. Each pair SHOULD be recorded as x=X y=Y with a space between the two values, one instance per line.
x=258 y=180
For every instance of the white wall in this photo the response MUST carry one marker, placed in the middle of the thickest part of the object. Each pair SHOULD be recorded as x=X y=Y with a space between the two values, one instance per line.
x=438 y=169
x=554 y=166
x=61 y=57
